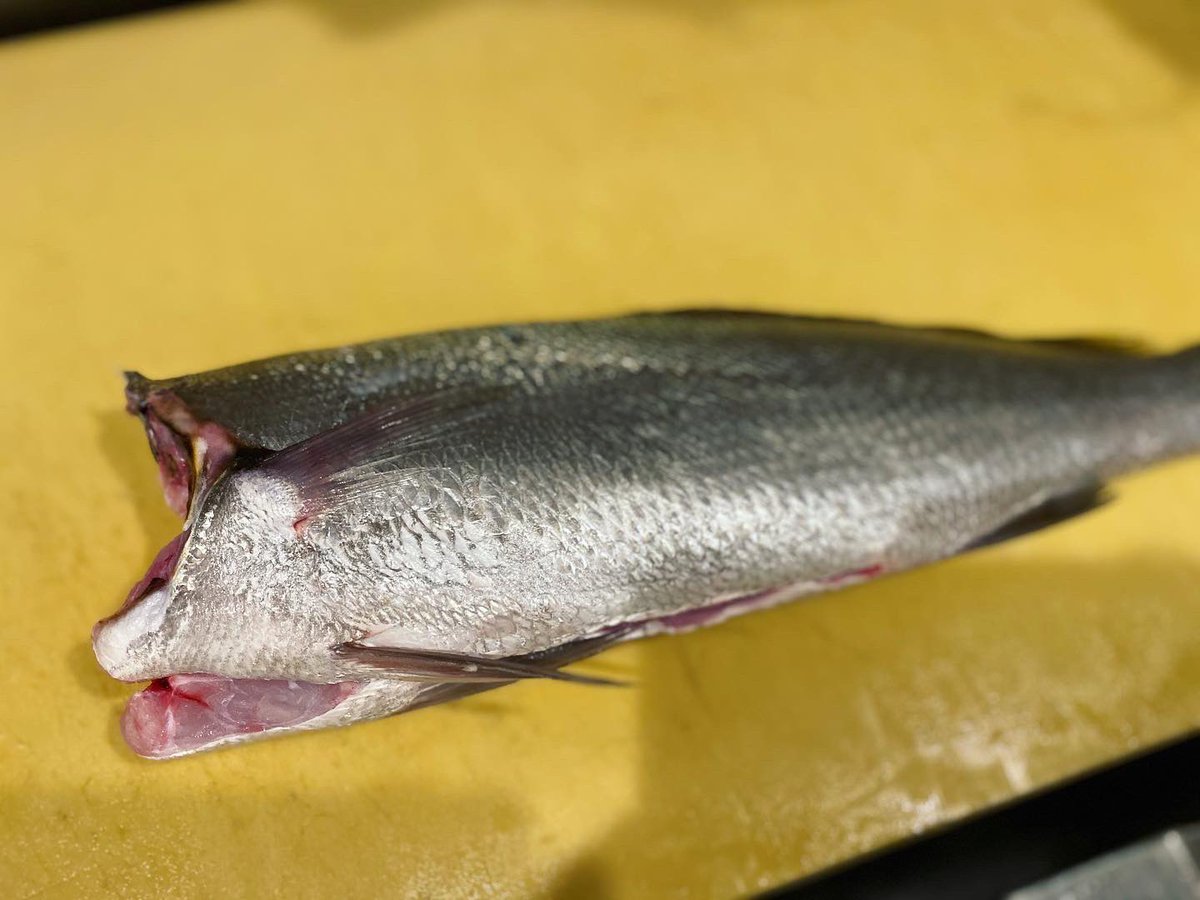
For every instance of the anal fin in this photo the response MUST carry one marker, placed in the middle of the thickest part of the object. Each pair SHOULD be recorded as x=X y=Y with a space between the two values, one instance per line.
x=1051 y=511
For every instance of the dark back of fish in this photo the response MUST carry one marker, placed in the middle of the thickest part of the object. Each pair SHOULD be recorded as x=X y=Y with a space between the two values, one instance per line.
x=275 y=402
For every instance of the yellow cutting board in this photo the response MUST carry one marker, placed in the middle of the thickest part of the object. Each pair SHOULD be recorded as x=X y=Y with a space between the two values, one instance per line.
x=196 y=188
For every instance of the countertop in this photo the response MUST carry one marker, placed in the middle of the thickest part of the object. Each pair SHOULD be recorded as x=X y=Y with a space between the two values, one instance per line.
x=199 y=187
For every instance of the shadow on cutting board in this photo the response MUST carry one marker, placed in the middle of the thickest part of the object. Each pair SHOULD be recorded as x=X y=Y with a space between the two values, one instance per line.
x=123 y=443
x=1168 y=28
x=361 y=18
x=888 y=709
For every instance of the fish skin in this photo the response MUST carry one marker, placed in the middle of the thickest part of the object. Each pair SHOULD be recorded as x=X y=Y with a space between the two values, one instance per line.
x=272 y=403
x=618 y=471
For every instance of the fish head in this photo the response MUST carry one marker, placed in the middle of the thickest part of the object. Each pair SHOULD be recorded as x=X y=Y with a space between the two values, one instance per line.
x=232 y=651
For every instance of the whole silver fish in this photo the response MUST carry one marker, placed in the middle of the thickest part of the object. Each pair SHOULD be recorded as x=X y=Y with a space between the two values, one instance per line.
x=380 y=527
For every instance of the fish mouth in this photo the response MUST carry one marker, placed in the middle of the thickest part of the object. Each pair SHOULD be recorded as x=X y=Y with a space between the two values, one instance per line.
x=191 y=453
x=182 y=714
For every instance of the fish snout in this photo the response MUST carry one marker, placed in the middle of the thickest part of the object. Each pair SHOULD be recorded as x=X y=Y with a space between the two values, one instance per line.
x=115 y=639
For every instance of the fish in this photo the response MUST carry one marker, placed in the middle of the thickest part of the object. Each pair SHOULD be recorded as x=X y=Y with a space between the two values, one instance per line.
x=377 y=528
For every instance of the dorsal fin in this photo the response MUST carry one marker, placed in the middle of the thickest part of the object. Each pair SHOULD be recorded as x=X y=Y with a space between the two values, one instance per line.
x=1091 y=345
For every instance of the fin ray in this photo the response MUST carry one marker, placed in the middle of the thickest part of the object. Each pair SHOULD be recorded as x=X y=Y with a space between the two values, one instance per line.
x=347 y=459
x=1092 y=345
x=449 y=667
x=1051 y=511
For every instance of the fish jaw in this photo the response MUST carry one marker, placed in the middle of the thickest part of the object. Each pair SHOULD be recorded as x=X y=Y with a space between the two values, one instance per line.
x=181 y=713
x=115 y=637
x=191 y=453
x=185 y=714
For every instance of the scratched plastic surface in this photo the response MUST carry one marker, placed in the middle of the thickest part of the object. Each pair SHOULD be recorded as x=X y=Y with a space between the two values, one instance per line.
x=202 y=187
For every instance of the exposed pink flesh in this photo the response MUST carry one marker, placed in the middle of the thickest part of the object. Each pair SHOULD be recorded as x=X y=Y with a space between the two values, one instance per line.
x=158 y=574
x=183 y=445
x=174 y=465
x=695 y=618
x=705 y=615
x=187 y=712
x=854 y=575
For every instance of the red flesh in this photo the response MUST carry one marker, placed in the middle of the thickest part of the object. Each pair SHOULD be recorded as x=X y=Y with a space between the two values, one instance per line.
x=188 y=712
x=696 y=618
x=174 y=463
x=869 y=572
x=157 y=575
x=183 y=446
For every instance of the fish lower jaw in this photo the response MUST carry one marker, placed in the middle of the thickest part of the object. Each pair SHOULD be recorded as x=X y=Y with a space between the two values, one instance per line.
x=183 y=714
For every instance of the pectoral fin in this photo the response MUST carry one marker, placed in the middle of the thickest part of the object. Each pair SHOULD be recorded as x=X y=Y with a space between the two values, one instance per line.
x=442 y=666
x=372 y=449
